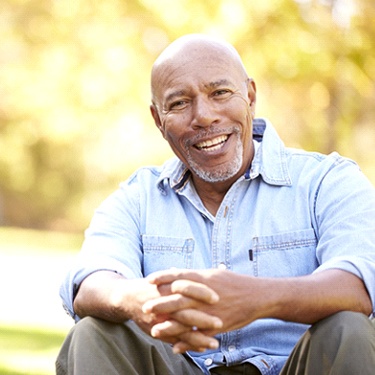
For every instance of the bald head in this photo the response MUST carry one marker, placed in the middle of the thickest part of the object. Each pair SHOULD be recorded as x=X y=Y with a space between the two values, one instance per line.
x=203 y=104
x=193 y=47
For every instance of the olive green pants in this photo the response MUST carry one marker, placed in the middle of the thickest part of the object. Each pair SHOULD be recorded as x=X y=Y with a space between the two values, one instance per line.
x=342 y=344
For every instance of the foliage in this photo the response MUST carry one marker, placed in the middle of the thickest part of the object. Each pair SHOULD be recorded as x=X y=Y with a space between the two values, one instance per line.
x=74 y=82
x=17 y=241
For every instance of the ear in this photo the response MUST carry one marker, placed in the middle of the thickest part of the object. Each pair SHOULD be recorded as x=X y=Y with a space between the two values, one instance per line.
x=156 y=117
x=251 y=93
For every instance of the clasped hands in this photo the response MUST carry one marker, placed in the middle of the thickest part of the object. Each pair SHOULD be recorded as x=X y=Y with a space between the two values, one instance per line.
x=193 y=312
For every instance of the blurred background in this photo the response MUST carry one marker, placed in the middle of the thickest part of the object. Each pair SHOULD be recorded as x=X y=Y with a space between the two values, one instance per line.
x=74 y=120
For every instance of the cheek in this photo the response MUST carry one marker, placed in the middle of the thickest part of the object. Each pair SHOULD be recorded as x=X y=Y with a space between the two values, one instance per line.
x=176 y=127
x=240 y=112
x=239 y=104
x=175 y=136
x=172 y=133
x=242 y=117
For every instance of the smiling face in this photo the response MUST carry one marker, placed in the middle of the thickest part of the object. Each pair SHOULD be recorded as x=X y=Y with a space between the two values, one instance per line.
x=203 y=103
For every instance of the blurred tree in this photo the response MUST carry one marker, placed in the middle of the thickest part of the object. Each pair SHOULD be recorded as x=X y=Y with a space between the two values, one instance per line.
x=74 y=84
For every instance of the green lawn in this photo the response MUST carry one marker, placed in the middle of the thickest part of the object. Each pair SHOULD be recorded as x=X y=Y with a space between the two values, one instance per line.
x=28 y=350
x=32 y=322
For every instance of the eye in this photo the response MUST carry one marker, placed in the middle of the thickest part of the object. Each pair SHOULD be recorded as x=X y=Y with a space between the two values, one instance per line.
x=178 y=104
x=221 y=93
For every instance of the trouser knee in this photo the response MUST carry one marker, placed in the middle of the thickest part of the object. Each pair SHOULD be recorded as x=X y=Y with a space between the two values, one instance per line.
x=341 y=344
x=95 y=346
x=345 y=326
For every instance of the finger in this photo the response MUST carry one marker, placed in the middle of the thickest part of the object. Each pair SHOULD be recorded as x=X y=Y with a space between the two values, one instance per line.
x=170 y=330
x=195 y=341
x=183 y=322
x=195 y=290
x=195 y=294
x=168 y=276
x=183 y=347
x=199 y=319
x=168 y=304
x=165 y=289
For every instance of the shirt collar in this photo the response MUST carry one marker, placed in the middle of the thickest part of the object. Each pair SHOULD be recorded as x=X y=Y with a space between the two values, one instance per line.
x=270 y=161
x=174 y=174
x=270 y=158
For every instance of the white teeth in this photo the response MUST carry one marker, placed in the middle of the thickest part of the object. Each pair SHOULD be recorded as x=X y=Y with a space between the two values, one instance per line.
x=212 y=144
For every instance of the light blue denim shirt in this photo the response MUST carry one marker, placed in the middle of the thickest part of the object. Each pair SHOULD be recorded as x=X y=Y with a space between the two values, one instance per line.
x=293 y=213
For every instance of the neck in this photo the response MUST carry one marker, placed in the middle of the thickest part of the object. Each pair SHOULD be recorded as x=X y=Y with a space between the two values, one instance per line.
x=212 y=194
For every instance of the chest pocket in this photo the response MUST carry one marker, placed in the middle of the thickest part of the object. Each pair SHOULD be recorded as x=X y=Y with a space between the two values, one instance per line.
x=160 y=253
x=285 y=254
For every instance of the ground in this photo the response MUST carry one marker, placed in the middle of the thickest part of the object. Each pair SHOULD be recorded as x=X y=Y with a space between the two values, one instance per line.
x=32 y=322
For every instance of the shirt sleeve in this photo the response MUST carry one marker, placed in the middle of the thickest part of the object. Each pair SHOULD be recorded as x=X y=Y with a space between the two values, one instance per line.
x=345 y=221
x=112 y=243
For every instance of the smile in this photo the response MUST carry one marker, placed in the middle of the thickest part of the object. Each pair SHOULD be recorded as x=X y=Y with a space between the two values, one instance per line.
x=212 y=144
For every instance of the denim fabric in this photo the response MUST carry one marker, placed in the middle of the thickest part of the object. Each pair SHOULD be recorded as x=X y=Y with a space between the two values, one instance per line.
x=293 y=213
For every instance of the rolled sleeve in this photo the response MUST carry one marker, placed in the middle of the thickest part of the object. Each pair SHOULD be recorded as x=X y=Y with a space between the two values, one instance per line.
x=82 y=269
x=363 y=267
x=111 y=244
x=345 y=216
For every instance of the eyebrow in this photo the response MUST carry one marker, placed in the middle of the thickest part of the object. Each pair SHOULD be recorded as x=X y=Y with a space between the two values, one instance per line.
x=220 y=82
x=174 y=94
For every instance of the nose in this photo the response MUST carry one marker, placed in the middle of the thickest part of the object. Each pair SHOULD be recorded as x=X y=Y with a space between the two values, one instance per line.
x=204 y=114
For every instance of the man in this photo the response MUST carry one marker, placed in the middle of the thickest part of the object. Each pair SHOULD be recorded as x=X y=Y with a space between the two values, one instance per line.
x=221 y=260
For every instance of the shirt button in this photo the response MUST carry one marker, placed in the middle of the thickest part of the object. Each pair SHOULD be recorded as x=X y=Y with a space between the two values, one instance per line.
x=231 y=348
x=208 y=361
x=222 y=266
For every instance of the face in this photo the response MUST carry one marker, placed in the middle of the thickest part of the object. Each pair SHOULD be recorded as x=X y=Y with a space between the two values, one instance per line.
x=203 y=105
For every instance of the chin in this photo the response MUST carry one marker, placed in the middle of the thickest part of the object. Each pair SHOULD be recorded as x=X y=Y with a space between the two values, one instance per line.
x=220 y=174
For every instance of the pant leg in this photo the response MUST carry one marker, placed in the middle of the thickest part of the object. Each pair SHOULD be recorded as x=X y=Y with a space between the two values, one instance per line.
x=97 y=347
x=342 y=344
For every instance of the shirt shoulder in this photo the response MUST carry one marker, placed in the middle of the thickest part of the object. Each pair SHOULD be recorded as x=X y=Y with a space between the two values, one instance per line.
x=153 y=175
x=312 y=162
x=284 y=166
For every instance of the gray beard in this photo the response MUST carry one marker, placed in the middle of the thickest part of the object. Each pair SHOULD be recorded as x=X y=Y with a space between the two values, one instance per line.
x=219 y=174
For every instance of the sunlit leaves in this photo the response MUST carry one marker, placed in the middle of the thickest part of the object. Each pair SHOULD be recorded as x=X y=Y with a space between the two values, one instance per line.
x=74 y=88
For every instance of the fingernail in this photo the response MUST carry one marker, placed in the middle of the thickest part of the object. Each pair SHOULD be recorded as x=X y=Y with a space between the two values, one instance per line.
x=150 y=278
x=213 y=344
x=154 y=332
x=146 y=309
x=176 y=350
x=218 y=323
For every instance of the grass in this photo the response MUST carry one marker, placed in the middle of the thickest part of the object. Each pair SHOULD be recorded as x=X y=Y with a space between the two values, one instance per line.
x=28 y=350
x=32 y=322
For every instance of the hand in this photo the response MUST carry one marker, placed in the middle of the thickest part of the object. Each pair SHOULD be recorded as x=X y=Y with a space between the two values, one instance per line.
x=184 y=326
x=182 y=302
x=110 y=296
x=126 y=299
x=131 y=296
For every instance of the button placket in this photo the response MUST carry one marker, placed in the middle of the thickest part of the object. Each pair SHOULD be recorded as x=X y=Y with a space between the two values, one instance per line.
x=208 y=361
x=222 y=266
